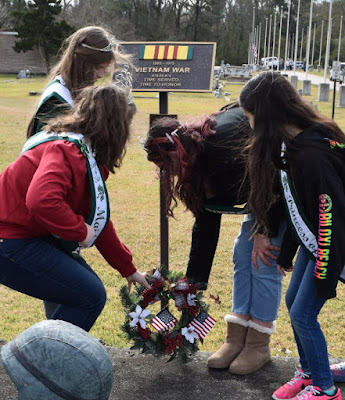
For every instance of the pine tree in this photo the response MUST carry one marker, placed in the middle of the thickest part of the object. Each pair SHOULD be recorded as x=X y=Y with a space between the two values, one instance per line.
x=38 y=27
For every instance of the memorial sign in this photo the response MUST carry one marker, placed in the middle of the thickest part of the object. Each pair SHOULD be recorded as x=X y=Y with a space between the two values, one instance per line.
x=172 y=66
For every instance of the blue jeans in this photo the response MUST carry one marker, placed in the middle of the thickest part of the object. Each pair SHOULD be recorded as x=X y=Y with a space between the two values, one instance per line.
x=304 y=307
x=38 y=268
x=256 y=292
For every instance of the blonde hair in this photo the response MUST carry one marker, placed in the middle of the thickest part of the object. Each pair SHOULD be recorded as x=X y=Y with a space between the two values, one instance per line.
x=102 y=115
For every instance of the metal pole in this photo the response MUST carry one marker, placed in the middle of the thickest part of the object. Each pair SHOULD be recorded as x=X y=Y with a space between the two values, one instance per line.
x=259 y=43
x=280 y=36
x=328 y=44
x=334 y=92
x=287 y=36
x=341 y=25
x=296 y=36
x=313 y=47
x=269 y=37
x=164 y=223
x=265 y=41
x=253 y=37
x=308 y=41
x=274 y=35
x=301 y=48
x=321 y=44
x=249 y=47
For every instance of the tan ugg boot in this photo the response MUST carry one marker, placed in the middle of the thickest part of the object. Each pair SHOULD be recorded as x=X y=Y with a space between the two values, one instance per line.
x=235 y=339
x=256 y=352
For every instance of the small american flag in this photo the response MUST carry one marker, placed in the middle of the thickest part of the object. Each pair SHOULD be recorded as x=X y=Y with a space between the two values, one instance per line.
x=202 y=324
x=164 y=320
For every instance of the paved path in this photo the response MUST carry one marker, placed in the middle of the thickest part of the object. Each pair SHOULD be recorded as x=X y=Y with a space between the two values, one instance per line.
x=142 y=377
x=315 y=79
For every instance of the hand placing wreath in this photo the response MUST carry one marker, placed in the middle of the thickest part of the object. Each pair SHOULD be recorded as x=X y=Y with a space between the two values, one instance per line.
x=162 y=333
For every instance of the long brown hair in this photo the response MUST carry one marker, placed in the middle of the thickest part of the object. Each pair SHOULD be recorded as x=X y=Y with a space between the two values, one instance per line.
x=85 y=49
x=102 y=116
x=276 y=105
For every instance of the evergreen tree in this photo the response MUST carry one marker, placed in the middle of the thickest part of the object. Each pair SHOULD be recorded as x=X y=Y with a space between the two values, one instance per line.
x=38 y=27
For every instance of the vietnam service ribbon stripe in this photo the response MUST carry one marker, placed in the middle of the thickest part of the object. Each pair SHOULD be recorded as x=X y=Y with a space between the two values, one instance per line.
x=166 y=52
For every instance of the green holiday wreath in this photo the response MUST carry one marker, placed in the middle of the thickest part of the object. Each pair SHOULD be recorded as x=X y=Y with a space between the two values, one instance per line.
x=162 y=334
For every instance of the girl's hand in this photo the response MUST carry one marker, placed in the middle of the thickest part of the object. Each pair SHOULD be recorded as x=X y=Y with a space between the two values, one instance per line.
x=89 y=237
x=137 y=277
x=283 y=270
x=263 y=249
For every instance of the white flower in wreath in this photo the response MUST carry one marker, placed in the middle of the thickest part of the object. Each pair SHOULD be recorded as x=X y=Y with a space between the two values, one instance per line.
x=191 y=299
x=189 y=333
x=139 y=316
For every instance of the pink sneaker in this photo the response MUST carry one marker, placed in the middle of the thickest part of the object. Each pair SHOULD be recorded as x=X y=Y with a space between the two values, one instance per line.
x=314 y=392
x=291 y=389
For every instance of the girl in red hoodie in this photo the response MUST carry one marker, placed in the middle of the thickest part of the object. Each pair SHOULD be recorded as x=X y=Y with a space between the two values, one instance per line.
x=54 y=202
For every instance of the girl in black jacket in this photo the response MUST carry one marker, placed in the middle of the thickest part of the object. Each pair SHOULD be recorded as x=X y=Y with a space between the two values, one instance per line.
x=308 y=150
x=204 y=167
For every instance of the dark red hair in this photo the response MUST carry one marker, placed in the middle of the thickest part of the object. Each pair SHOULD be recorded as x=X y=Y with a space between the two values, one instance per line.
x=179 y=149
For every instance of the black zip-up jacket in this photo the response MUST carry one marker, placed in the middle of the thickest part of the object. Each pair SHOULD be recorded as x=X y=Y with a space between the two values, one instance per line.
x=224 y=166
x=316 y=165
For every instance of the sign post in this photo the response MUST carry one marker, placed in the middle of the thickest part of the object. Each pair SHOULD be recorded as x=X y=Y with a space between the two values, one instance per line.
x=165 y=67
x=336 y=70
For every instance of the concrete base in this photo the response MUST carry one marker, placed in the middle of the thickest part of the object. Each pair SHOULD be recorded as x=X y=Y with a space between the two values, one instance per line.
x=294 y=81
x=324 y=92
x=306 y=87
x=341 y=96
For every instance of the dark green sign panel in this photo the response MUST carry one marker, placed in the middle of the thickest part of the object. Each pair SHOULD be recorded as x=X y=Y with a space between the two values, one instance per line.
x=172 y=66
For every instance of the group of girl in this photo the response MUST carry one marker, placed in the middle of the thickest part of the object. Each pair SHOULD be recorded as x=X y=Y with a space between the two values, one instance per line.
x=269 y=149
x=294 y=155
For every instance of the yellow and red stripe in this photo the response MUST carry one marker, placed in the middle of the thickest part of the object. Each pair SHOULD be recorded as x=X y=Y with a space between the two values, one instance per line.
x=166 y=52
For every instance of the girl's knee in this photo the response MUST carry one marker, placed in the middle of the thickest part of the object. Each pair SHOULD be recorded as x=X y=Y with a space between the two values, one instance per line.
x=98 y=296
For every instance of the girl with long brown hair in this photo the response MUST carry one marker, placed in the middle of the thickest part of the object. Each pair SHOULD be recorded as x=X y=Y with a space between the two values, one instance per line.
x=90 y=52
x=306 y=149
x=204 y=167
x=55 y=202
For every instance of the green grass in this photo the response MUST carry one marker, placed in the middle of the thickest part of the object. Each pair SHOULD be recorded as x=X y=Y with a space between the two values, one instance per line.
x=134 y=196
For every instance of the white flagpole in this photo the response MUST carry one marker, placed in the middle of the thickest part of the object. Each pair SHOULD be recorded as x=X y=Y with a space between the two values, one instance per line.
x=265 y=42
x=274 y=35
x=296 y=36
x=341 y=25
x=269 y=37
x=287 y=36
x=328 y=44
x=319 y=65
x=259 y=43
x=253 y=37
x=308 y=41
x=280 y=35
x=313 y=47
x=301 y=48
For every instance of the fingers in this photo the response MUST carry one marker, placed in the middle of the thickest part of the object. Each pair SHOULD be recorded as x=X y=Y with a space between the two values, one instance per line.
x=255 y=259
x=281 y=270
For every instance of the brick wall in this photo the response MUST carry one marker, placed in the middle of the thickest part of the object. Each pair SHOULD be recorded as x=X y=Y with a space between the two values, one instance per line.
x=12 y=62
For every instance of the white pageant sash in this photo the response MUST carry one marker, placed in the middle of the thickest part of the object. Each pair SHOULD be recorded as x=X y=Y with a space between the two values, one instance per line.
x=57 y=87
x=100 y=211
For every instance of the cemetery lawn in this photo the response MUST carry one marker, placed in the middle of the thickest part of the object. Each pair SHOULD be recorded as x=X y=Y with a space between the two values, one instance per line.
x=134 y=195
